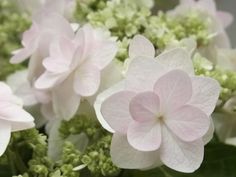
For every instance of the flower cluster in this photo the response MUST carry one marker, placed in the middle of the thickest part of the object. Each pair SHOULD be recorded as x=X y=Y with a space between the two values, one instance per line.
x=116 y=86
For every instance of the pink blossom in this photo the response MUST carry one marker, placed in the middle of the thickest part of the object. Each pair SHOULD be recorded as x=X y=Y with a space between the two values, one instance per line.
x=160 y=113
x=12 y=116
x=73 y=68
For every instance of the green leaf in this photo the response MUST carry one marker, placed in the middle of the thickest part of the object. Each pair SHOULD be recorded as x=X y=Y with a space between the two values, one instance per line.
x=219 y=161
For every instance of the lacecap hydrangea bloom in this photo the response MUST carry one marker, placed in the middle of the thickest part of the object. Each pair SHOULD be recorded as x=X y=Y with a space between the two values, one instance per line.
x=12 y=116
x=160 y=113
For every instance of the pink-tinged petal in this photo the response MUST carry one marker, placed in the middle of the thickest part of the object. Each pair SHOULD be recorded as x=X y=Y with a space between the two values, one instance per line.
x=226 y=18
x=188 y=123
x=141 y=46
x=85 y=39
x=5 y=134
x=30 y=35
x=210 y=133
x=104 y=54
x=87 y=80
x=35 y=68
x=65 y=101
x=5 y=89
x=16 y=116
x=181 y=156
x=56 y=65
x=174 y=90
x=222 y=40
x=177 y=58
x=101 y=98
x=205 y=94
x=21 y=55
x=144 y=136
x=115 y=110
x=54 y=22
x=142 y=74
x=145 y=106
x=48 y=80
x=125 y=156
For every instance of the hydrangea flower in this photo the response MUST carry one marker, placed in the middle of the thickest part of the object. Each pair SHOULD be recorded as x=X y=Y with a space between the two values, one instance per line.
x=12 y=116
x=45 y=28
x=73 y=68
x=160 y=113
x=217 y=21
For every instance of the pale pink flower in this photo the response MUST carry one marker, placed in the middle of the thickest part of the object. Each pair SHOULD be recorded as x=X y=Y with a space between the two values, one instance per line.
x=12 y=116
x=45 y=28
x=74 y=67
x=160 y=113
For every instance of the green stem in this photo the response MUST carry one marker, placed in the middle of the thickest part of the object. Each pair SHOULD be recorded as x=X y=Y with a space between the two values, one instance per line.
x=165 y=172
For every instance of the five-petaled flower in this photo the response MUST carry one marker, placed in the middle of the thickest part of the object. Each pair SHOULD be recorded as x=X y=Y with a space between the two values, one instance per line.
x=160 y=113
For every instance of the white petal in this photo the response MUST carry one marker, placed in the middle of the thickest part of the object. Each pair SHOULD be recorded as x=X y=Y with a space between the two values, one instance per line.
x=101 y=98
x=188 y=123
x=5 y=134
x=141 y=46
x=5 y=89
x=48 y=80
x=209 y=134
x=144 y=136
x=16 y=116
x=174 y=90
x=115 y=110
x=87 y=80
x=143 y=70
x=124 y=156
x=177 y=58
x=226 y=18
x=104 y=54
x=145 y=106
x=205 y=93
x=179 y=155
x=65 y=100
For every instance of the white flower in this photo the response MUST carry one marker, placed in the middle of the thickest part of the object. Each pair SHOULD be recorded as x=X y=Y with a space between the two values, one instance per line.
x=12 y=116
x=217 y=21
x=46 y=27
x=73 y=69
x=160 y=113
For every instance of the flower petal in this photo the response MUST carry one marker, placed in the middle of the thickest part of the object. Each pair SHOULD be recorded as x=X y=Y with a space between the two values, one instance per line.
x=5 y=134
x=143 y=70
x=210 y=133
x=104 y=54
x=141 y=46
x=101 y=98
x=179 y=155
x=205 y=93
x=48 y=80
x=65 y=100
x=145 y=136
x=188 y=123
x=124 y=156
x=87 y=80
x=115 y=110
x=174 y=90
x=177 y=58
x=226 y=18
x=145 y=106
x=16 y=116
